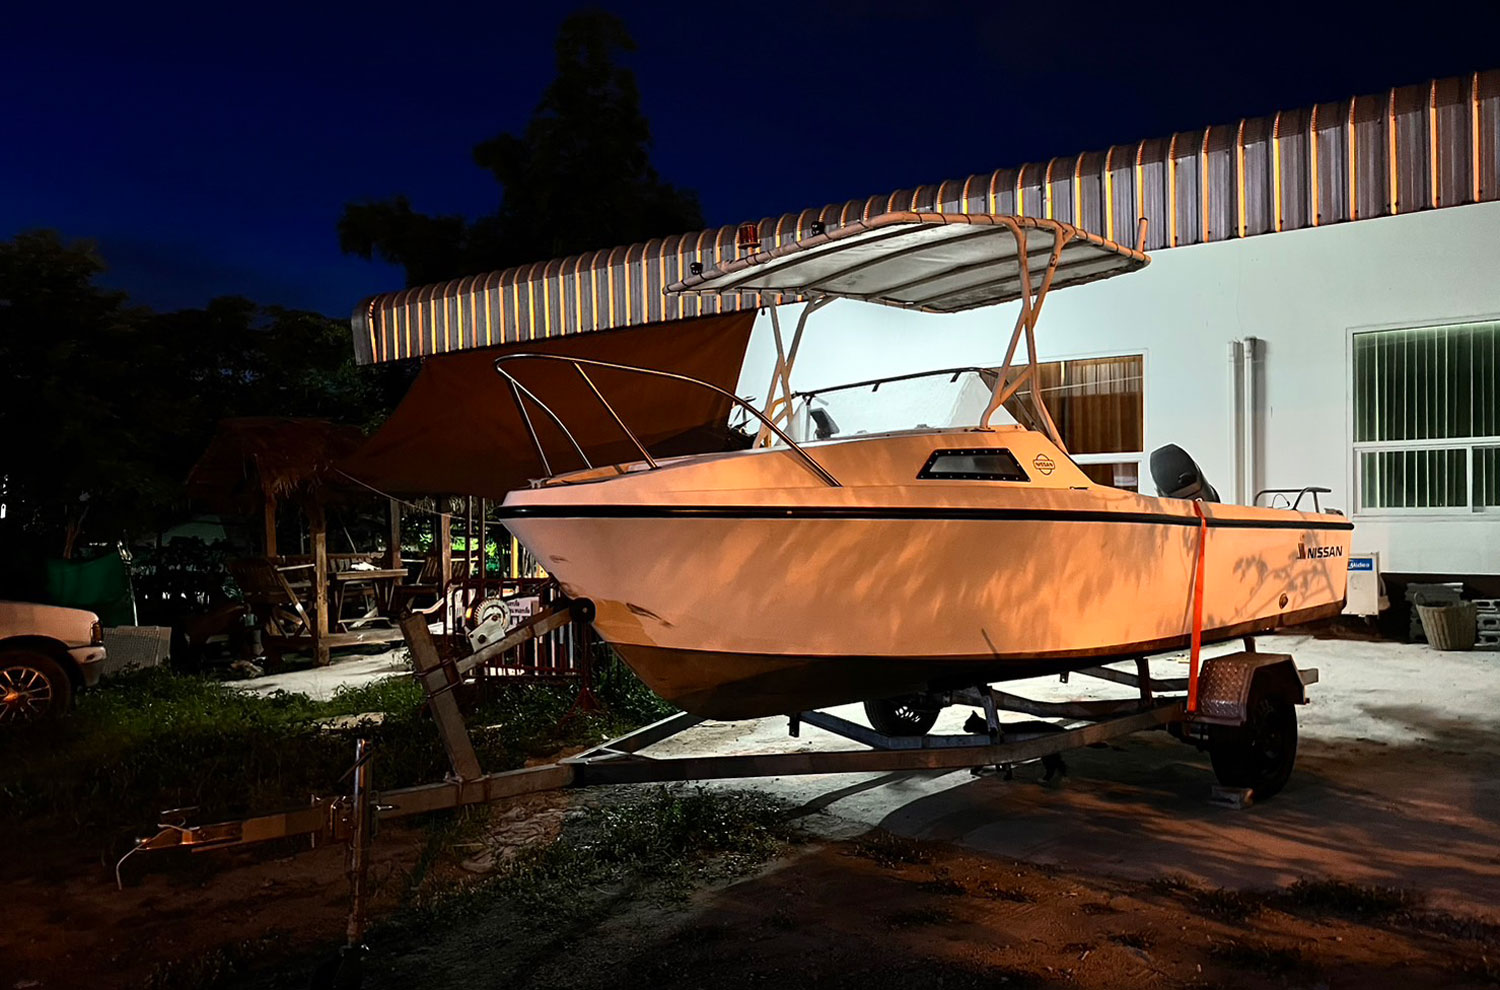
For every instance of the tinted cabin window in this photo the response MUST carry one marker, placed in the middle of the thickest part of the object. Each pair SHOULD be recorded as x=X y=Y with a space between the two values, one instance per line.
x=986 y=464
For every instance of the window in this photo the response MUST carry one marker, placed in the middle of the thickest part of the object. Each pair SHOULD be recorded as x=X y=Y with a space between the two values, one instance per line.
x=1098 y=405
x=1427 y=418
x=985 y=464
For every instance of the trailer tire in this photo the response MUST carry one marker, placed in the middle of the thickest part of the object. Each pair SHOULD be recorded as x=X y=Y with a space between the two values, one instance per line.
x=1261 y=753
x=904 y=716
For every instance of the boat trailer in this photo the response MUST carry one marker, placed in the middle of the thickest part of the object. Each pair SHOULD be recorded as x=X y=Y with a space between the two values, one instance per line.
x=1227 y=689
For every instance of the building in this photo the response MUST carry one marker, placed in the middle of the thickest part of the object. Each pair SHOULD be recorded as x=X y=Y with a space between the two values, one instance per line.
x=1322 y=309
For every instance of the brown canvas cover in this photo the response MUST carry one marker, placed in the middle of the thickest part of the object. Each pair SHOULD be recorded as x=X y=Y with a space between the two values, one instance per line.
x=458 y=431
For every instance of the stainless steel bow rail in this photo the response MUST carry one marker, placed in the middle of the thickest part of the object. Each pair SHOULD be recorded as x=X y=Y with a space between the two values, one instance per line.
x=519 y=393
x=354 y=818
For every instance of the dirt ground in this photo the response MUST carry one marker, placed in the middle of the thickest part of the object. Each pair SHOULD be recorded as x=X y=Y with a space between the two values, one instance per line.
x=834 y=912
x=1105 y=880
x=875 y=915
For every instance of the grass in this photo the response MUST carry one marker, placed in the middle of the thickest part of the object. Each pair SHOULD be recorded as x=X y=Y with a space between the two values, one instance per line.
x=657 y=847
x=919 y=917
x=999 y=892
x=157 y=740
x=1349 y=899
x=1261 y=957
x=1366 y=903
x=673 y=840
x=214 y=968
x=944 y=883
x=890 y=850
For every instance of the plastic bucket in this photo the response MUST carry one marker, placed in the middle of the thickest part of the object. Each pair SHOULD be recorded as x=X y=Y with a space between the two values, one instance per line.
x=1450 y=627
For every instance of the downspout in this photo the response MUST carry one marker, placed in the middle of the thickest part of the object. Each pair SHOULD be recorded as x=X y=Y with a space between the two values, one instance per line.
x=1250 y=416
x=1236 y=447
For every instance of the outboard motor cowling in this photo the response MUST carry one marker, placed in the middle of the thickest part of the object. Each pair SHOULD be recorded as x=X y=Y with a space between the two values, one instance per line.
x=1178 y=476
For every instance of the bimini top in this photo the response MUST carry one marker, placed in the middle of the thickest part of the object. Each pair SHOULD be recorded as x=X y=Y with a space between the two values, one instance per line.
x=933 y=262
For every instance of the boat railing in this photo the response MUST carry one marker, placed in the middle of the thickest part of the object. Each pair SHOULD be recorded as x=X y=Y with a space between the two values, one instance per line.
x=1294 y=504
x=520 y=393
x=874 y=383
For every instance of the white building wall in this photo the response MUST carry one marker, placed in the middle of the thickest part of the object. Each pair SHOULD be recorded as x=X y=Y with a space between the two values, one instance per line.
x=1301 y=292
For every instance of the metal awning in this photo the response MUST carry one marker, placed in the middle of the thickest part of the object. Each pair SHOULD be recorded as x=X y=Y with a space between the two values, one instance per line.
x=932 y=262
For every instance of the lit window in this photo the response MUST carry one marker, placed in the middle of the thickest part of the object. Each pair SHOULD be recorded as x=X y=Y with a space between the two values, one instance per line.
x=985 y=464
x=1427 y=418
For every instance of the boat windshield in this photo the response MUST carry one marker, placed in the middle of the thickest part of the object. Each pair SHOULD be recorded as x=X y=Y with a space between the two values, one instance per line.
x=940 y=399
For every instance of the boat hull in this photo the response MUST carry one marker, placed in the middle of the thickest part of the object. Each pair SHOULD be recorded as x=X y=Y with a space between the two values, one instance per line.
x=738 y=685
x=752 y=596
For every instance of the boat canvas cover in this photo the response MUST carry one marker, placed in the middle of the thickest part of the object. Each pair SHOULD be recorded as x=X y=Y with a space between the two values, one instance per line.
x=458 y=430
x=932 y=262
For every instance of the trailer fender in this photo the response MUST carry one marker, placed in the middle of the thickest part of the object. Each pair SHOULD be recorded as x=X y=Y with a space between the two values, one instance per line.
x=1224 y=685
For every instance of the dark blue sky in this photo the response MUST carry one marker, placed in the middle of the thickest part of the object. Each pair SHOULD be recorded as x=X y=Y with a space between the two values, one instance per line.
x=209 y=148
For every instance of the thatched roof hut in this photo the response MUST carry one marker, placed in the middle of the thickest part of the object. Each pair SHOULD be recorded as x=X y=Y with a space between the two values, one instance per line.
x=256 y=459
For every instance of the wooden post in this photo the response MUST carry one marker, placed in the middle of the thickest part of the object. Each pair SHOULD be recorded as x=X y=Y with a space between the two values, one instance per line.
x=394 y=546
x=440 y=682
x=270 y=523
x=444 y=540
x=482 y=537
x=318 y=523
x=468 y=536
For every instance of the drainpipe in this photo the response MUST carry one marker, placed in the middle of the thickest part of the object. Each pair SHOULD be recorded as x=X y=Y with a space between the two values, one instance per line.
x=1235 y=489
x=1250 y=415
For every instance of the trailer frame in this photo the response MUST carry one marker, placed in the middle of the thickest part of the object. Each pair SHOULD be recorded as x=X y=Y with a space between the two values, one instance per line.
x=354 y=818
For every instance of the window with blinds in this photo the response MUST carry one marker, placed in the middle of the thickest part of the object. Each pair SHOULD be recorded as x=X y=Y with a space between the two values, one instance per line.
x=1427 y=418
x=1098 y=405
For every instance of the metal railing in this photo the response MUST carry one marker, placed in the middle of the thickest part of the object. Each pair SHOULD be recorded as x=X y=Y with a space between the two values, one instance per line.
x=874 y=383
x=1296 y=503
x=520 y=393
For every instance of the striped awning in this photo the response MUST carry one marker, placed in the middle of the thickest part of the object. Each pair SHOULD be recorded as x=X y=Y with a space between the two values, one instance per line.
x=930 y=262
x=1431 y=145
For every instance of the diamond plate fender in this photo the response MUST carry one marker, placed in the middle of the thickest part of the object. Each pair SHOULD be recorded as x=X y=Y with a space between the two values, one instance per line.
x=1224 y=684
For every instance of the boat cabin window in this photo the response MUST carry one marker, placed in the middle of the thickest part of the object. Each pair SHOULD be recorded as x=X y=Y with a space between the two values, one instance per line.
x=984 y=464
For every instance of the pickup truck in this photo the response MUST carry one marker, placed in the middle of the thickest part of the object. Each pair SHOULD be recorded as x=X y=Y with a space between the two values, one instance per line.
x=46 y=654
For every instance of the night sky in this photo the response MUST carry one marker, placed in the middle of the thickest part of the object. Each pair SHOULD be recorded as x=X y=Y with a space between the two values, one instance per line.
x=209 y=148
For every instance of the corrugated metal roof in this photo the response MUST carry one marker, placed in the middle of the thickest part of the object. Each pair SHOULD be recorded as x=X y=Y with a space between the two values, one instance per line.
x=1411 y=148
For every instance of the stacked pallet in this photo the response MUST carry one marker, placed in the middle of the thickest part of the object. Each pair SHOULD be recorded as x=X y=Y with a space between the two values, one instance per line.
x=1489 y=623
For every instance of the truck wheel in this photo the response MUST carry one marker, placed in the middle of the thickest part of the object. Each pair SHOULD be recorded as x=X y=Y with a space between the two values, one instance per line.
x=900 y=717
x=1261 y=753
x=33 y=688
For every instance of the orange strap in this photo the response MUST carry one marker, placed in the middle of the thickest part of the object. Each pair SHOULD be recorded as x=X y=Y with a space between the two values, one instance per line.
x=1192 y=698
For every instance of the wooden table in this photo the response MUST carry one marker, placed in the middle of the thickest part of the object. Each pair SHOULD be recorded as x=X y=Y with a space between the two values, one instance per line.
x=382 y=584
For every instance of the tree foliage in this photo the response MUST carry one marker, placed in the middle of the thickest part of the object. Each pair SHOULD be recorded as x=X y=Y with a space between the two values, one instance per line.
x=106 y=406
x=579 y=177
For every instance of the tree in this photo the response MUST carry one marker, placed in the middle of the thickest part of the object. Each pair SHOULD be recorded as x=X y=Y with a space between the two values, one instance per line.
x=105 y=406
x=579 y=178
x=68 y=348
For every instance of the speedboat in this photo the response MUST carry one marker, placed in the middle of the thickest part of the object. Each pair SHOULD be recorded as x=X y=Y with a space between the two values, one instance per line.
x=792 y=575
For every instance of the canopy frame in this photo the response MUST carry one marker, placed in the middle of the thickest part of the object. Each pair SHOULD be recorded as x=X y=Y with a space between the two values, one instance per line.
x=893 y=238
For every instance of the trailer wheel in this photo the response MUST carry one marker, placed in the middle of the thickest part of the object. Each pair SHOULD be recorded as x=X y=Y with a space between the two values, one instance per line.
x=901 y=716
x=1261 y=753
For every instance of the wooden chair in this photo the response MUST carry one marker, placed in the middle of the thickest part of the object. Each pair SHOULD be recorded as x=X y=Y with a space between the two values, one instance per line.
x=284 y=621
x=428 y=583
